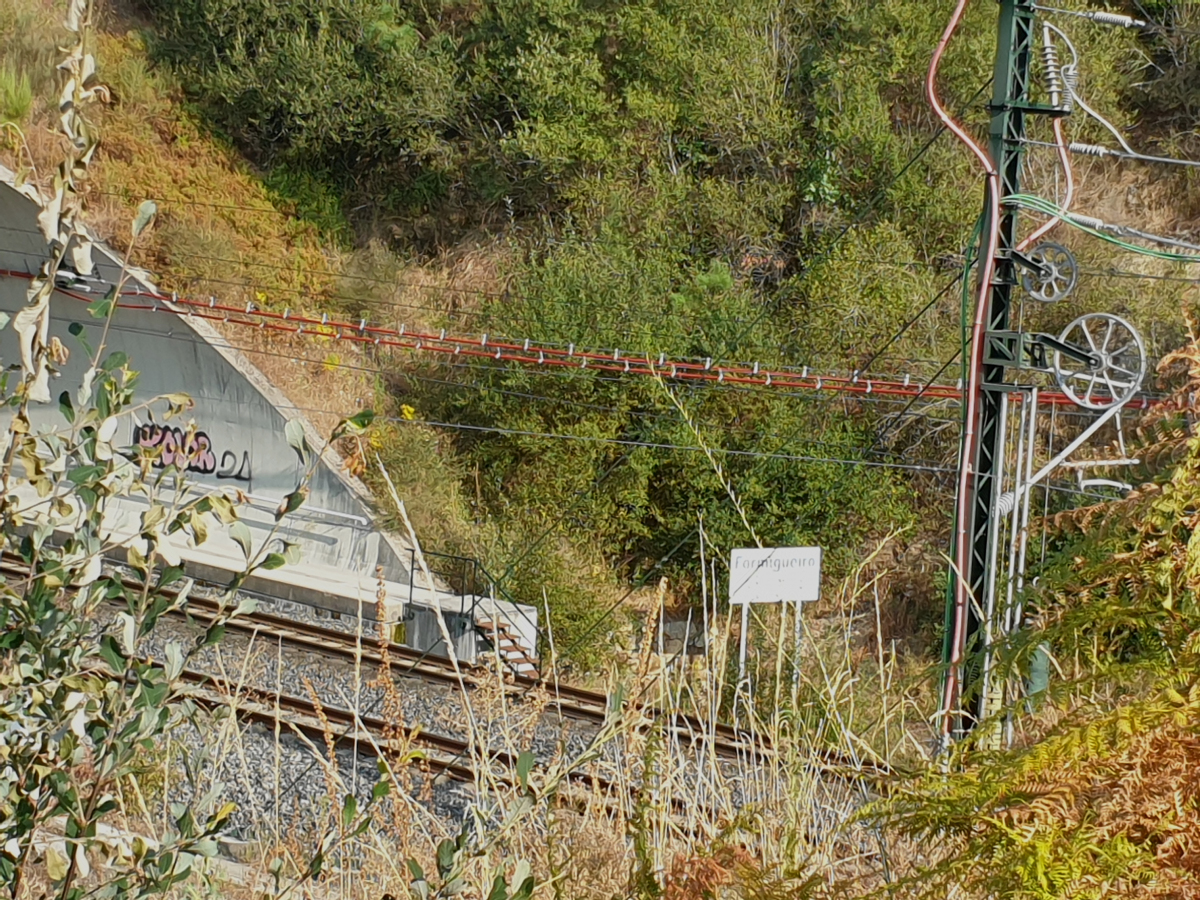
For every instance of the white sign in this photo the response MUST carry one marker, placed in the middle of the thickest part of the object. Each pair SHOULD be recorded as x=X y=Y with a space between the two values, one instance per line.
x=775 y=575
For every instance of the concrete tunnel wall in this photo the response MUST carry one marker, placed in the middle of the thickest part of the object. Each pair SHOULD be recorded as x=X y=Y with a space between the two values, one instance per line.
x=239 y=415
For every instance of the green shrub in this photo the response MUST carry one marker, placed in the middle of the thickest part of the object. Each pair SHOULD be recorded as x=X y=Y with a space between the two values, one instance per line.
x=338 y=87
x=16 y=95
x=693 y=178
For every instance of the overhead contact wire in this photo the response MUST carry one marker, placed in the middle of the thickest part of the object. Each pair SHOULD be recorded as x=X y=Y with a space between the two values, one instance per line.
x=537 y=356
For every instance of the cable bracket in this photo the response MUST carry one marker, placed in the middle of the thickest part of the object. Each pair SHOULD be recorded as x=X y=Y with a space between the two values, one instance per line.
x=1032 y=109
x=1032 y=351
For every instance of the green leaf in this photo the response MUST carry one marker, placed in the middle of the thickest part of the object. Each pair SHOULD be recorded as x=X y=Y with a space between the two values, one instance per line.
x=135 y=558
x=152 y=518
x=221 y=816
x=155 y=694
x=102 y=307
x=523 y=805
x=499 y=889
x=446 y=852
x=64 y=405
x=349 y=810
x=76 y=330
x=5 y=318
x=114 y=361
x=214 y=635
x=294 y=432
x=145 y=215
x=128 y=633
x=355 y=424
x=177 y=404
x=85 y=474
x=57 y=864
x=174 y=660
x=524 y=767
x=169 y=576
x=199 y=529
x=382 y=788
x=522 y=877
x=241 y=534
x=419 y=885
x=291 y=503
x=221 y=507
x=292 y=553
x=616 y=699
x=525 y=891
x=273 y=561
x=112 y=653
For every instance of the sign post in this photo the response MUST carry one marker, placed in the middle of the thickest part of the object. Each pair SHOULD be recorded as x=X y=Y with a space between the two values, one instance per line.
x=772 y=575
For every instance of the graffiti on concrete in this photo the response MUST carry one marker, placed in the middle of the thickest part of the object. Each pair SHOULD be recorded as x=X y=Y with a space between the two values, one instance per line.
x=189 y=451
x=228 y=463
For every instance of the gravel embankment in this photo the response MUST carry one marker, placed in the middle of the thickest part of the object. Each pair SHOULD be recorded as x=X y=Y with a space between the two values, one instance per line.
x=284 y=781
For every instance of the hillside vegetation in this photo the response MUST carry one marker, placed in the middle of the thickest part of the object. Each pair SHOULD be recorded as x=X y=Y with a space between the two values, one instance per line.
x=737 y=181
x=745 y=182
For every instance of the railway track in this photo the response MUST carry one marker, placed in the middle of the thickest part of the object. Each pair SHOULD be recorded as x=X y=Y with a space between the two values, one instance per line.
x=441 y=756
x=570 y=702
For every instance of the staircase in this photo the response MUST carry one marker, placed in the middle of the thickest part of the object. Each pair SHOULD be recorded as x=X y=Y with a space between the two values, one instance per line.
x=515 y=654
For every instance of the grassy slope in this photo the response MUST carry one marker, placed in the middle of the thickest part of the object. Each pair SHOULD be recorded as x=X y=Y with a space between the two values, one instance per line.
x=221 y=230
x=1128 y=764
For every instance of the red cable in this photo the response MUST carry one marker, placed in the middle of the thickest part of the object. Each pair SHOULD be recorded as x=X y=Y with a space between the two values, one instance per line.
x=527 y=353
x=979 y=327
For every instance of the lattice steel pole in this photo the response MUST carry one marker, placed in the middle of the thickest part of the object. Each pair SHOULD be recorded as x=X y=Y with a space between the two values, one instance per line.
x=1010 y=105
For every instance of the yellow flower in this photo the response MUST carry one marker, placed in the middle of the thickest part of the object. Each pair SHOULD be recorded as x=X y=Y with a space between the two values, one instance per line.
x=408 y=412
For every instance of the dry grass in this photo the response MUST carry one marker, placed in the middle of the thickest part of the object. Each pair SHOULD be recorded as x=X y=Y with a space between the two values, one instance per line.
x=422 y=295
x=220 y=232
x=777 y=828
x=326 y=381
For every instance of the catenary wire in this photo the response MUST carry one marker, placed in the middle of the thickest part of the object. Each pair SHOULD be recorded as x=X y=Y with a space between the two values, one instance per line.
x=486 y=346
x=632 y=443
x=565 y=401
x=1101 y=152
x=1109 y=232
x=860 y=386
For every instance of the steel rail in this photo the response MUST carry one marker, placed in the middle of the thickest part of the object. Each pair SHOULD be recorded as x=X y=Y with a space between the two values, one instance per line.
x=571 y=702
x=442 y=756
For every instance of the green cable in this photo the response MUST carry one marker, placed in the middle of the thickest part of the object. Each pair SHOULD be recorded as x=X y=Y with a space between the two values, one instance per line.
x=1041 y=205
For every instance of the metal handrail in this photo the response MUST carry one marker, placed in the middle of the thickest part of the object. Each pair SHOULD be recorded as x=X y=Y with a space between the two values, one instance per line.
x=476 y=577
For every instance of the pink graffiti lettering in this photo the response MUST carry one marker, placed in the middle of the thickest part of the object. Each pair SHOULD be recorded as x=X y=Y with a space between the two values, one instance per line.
x=187 y=451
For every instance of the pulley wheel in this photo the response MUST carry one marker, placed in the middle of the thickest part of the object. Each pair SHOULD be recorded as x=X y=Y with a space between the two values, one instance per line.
x=1122 y=358
x=1058 y=276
